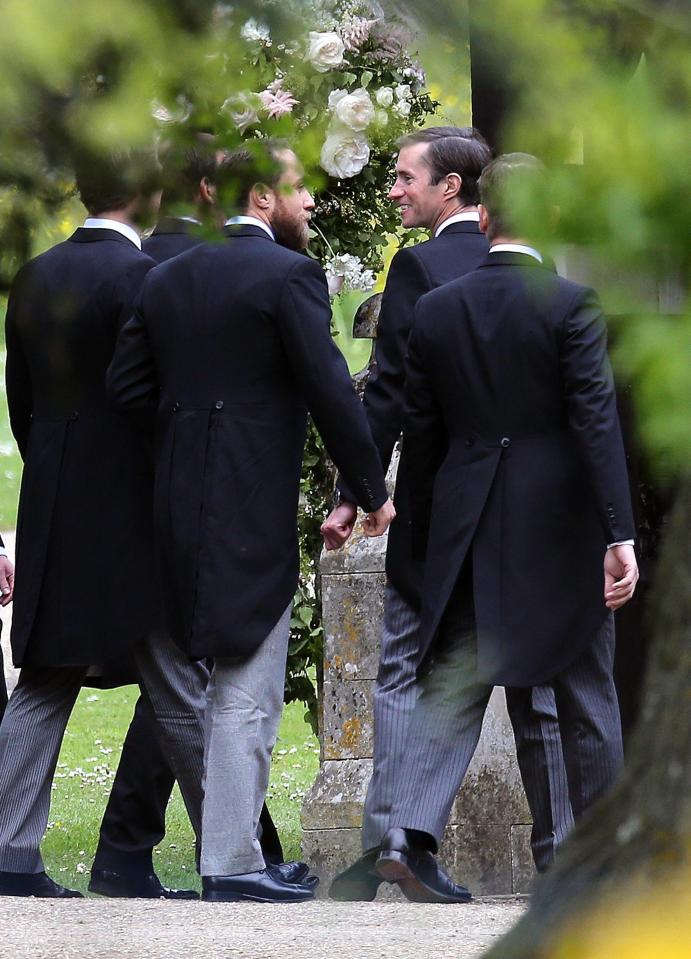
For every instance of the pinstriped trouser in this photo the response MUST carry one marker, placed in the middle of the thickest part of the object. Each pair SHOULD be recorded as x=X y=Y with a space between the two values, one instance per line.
x=538 y=742
x=34 y=725
x=445 y=726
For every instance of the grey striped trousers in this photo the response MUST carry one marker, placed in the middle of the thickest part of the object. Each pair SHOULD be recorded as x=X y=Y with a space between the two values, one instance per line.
x=445 y=726
x=34 y=724
x=538 y=743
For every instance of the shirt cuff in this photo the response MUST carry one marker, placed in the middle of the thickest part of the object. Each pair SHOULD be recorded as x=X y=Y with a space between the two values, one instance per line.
x=623 y=542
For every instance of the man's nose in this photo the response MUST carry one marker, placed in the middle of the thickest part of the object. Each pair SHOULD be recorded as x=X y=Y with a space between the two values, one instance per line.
x=396 y=191
x=309 y=202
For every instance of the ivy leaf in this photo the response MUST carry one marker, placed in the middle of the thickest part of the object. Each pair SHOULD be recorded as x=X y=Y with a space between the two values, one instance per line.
x=366 y=78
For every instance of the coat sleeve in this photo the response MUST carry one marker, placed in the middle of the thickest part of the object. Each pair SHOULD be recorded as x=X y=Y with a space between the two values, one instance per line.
x=17 y=373
x=131 y=379
x=424 y=433
x=592 y=412
x=323 y=378
x=406 y=282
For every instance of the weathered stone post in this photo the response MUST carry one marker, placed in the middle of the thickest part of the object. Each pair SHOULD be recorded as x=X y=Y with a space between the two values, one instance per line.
x=487 y=842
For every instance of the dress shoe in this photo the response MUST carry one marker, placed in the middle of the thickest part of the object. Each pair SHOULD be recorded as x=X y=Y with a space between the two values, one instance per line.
x=288 y=871
x=146 y=886
x=359 y=882
x=258 y=886
x=409 y=863
x=34 y=884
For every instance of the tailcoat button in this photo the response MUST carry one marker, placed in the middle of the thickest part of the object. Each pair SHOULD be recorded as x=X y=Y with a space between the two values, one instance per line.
x=74 y=416
x=470 y=441
x=505 y=442
x=175 y=407
x=219 y=404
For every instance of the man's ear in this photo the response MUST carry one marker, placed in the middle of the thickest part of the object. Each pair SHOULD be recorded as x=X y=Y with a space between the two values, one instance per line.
x=262 y=196
x=207 y=191
x=453 y=185
x=484 y=218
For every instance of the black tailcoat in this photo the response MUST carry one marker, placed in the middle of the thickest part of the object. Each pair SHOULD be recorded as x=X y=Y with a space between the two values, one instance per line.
x=515 y=455
x=171 y=236
x=236 y=338
x=414 y=271
x=84 y=533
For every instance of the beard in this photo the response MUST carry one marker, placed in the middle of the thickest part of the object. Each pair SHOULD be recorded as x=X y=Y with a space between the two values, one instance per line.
x=290 y=230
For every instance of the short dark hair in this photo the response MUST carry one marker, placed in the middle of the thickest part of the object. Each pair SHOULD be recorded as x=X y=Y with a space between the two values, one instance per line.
x=461 y=150
x=509 y=188
x=184 y=165
x=257 y=161
x=110 y=181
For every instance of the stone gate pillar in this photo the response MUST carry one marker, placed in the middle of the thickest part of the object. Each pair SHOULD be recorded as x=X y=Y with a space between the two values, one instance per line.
x=487 y=843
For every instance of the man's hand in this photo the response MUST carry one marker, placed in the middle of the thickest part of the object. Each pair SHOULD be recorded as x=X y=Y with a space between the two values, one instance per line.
x=621 y=575
x=6 y=581
x=338 y=525
x=374 y=524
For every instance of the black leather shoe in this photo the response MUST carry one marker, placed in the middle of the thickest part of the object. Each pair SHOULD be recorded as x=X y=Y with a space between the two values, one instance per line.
x=147 y=886
x=34 y=884
x=407 y=862
x=258 y=886
x=359 y=882
x=289 y=871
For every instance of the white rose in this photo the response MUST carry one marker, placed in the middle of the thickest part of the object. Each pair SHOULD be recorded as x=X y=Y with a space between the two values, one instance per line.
x=344 y=154
x=243 y=109
x=334 y=98
x=384 y=96
x=355 y=110
x=325 y=51
x=402 y=108
x=402 y=91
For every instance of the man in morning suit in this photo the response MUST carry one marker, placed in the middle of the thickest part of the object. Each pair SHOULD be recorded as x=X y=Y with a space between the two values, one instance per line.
x=519 y=491
x=436 y=188
x=134 y=821
x=232 y=344
x=85 y=595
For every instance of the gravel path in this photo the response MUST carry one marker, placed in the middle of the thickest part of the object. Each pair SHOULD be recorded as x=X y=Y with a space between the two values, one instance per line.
x=140 y=929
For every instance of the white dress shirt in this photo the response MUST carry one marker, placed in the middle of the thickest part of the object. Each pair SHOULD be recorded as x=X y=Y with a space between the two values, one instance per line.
x=457 y=218
x=104 y=223
x=251 y=221
x=516 y=248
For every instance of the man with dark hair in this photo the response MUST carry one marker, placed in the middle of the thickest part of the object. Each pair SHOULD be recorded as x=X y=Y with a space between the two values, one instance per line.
x=519 y=490
x=85 y=600
x=436 y=187
x=134 y=821
x=231 y=343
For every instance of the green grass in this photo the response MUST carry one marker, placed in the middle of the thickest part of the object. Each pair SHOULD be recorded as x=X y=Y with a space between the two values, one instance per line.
x=86 y=767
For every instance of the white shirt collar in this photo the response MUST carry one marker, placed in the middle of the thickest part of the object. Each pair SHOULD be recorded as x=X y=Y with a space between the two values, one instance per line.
x=104 y=223
x=516 y=248
x=458 y=218
x=251 y=221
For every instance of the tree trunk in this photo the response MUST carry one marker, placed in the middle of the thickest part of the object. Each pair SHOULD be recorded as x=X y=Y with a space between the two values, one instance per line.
x=640 y=833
